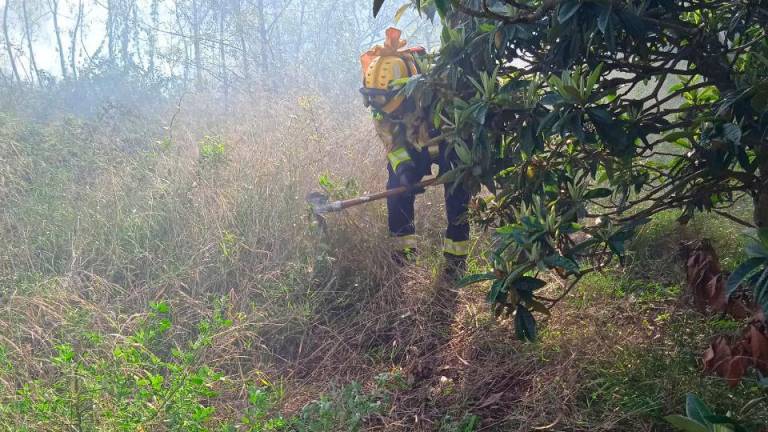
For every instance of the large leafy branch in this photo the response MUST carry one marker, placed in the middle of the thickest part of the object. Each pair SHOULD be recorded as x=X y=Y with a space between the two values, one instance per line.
x=586 y=117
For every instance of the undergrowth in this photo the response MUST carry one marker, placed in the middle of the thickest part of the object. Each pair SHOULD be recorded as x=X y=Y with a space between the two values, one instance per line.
x=169 y=276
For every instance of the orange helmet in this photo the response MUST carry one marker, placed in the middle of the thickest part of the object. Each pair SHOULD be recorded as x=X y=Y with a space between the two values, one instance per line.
x=384 y=64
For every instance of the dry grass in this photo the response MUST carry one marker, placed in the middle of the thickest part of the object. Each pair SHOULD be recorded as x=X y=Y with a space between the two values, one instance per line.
x=101 y=219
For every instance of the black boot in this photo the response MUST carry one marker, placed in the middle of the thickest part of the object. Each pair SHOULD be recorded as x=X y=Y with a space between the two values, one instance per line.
x=455 y=267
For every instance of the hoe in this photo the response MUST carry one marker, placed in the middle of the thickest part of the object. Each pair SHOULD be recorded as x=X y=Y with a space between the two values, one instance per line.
x=321 y=205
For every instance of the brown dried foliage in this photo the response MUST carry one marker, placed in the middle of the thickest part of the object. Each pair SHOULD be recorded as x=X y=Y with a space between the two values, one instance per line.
x=732 y=359
x=726 y=357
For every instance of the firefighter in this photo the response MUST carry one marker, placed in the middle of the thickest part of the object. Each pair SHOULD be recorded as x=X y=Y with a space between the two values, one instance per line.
x=408 y=136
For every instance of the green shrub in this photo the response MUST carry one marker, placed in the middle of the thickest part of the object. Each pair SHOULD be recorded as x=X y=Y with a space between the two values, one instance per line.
x=137 y=382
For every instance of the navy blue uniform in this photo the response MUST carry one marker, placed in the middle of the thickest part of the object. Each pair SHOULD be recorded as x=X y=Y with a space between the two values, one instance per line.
x=401 y=208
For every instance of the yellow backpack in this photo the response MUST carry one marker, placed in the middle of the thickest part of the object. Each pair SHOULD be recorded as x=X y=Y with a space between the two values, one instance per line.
x=383 y=64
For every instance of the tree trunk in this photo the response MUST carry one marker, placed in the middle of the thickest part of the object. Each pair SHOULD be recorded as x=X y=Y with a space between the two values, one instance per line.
x=111 y=31
x=125 y=37
x=135 y=29
x=152 y=35
x=263 y=38
x=8 y=46
x=28 y=33
x=186 y=62
x=243 y=45
x=196 y=44
x=54 y=6
x=73 y=42
x=223 y=56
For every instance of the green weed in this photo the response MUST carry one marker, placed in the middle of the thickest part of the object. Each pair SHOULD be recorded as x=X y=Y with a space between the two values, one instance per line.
x=345 y=409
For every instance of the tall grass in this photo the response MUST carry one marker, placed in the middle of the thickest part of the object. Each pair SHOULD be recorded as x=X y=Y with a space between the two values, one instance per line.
x=160 y=270
x=199 y=210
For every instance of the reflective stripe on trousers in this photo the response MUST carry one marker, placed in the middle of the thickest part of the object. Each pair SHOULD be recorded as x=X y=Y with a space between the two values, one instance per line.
x=400 y=209
x=406 y=242
x=457 y=248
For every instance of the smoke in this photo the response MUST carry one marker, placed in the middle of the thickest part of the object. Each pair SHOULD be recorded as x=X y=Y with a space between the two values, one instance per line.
x=80 y=51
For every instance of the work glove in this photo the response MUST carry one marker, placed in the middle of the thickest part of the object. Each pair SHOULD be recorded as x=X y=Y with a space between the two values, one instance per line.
x=410 y=177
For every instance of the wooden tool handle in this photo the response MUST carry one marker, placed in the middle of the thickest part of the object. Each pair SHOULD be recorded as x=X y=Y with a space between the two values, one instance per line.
x=385 y=194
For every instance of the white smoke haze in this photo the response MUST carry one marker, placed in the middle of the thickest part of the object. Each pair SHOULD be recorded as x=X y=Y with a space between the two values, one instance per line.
x=221 y=45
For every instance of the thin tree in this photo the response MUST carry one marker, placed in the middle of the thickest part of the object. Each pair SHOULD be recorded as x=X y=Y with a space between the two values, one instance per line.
x=8 y=45
x=110 y=26
x=54 y=8
x=154 y=15
x=73 y=39
x=263 y=37
x=28 y=33
x=223 y=52
x=240 y=20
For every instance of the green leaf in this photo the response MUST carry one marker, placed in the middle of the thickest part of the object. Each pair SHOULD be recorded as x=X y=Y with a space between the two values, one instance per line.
x=437 y=120
x=486 y=27
x=598 y=193
x=674 y=136
x=594 y=77
x=475 y=278
x=743 y=272
x=442 y=7
x=571 y=92
x=463 y=152
x=676 y=87
x=479 y=111
x=696 y=410
x=507 y=229
x=565 y=263
x=160 y=307
x=762 y=235
x=528 y=141
x=685 y=424
x=567 y=10
x=720 y=420
x=494 y=295
x=539 y=307
x=377 y=7
x=527 y=283
x=755 y=249
x=525 y=324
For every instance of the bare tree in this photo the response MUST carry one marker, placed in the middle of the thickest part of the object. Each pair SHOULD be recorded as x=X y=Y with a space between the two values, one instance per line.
x=154 y=15
x=110 y=30
x=240 y=20
x=73 y=39
x=222 y=16
x=35 y=73
x=196 y=22
x=8 y=44
x=53 y=5
x=215 y=44
x=262 y=29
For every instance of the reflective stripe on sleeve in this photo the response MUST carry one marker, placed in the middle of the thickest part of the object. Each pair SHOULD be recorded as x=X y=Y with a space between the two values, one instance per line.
x=398 y=156
x=457 y=248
